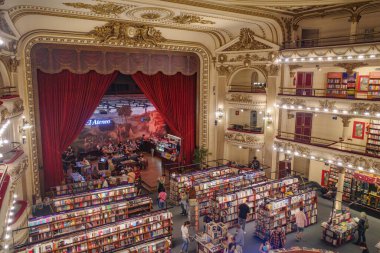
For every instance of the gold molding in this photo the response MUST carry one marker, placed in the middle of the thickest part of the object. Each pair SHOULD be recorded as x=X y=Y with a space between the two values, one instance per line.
x=127 y=34
x=273 y=70
x=100 y=8
x=349 y=67
x=251 y=57
x=80 y=39
x=327 y=104
x=190 y=19
x=247 y=41
x=293 y=101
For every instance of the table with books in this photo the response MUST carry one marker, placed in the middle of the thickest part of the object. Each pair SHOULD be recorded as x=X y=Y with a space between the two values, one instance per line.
x=211 y=240
x=340 y=228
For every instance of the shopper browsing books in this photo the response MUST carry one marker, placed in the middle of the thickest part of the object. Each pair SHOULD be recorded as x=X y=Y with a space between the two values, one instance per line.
x=185 y=237
x=239 y=236
x=162 y=200
x=183 y=203
x=278 y=239
x=363 y=225
x=300 y=222
x=243 y=211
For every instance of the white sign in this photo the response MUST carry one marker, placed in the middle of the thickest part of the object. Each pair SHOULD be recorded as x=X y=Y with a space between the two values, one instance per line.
x=97 y=122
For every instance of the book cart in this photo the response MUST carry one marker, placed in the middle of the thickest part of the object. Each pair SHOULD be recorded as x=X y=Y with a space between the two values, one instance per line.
x=211 y=240
x=50 y=226
x=227 y=205
x=339 y=229
x=146 y=233
x=281 y=213
x=179 y=183
x=102 y=196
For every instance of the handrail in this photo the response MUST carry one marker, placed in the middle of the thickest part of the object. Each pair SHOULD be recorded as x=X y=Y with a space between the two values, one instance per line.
x=312 y=92
x=247 y=130
x=332 y=41
x=246 y=88
x=3 y=176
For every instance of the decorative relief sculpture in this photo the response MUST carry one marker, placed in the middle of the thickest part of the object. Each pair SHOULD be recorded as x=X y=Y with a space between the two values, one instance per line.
x=101 y=9
x=252 y=57
x=247 y=42
x=349 y=67
x=127 y=33
x=18 y=106
x=190 y=19
x=150 y=15
x=273 y=69
x=241 y=138
x=240 y=98
x=327 y=104
x=365 y=107
x=4 y=114
x=225 y=70
x=293 y=101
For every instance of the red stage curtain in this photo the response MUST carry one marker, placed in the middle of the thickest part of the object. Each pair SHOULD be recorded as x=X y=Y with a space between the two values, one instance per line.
x=66 y=102
x=174 y=97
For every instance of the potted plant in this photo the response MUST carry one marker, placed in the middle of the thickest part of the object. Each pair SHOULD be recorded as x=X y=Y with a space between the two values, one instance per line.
x=200 y=155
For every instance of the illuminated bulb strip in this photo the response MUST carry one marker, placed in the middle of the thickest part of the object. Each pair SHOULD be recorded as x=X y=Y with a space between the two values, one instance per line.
x=329 y=58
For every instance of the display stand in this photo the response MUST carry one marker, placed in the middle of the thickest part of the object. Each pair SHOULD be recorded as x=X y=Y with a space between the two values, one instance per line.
x=211 y=240
x=47 y=227
x=226 y=205
x=147 y=232
x=339 y=229
x=97 y=197
x=281 y=213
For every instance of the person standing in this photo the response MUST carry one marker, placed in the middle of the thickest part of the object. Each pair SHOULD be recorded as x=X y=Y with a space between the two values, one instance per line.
x=277 y=239
x=362 y=227
x=255 y=164
x=300 y=222
x=239 y=236
x=183 y=203
x=162 y=200
x=131 y=177
x=185 y=237
x=243 y=211
x=265 y=247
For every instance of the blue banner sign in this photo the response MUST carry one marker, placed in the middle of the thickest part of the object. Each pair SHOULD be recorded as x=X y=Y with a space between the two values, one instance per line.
x=98 y=122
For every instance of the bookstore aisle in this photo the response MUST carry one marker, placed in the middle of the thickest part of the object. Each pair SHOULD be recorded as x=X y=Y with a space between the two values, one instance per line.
x=312 y=235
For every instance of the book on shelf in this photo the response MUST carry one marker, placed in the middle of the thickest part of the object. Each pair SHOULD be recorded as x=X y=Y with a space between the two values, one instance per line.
x=374 y=85
x=142 y=230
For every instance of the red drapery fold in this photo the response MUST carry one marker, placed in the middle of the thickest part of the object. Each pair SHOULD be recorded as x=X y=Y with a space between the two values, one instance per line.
x=174 y=97
x=66 y=101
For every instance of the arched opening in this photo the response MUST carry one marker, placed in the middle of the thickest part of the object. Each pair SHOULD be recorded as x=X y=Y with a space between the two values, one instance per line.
x=248 y=80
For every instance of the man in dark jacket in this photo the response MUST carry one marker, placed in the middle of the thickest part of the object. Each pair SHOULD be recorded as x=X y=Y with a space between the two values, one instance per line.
x=243 y=212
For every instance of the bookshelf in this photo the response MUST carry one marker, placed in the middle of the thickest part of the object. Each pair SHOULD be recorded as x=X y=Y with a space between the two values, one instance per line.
x=207 y=191
x=227 y=205
x=374 y=85
x=77 y=187
x=350 y=81
x=102 y=196
x=145 y=231
x=362 y=87
x=47 y=227
x=373 y=139
x=341 y=229
x=281 y=213
x=335 y=86
x=179 y=183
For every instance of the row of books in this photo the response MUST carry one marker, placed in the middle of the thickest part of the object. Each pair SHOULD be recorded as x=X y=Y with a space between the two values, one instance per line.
x=109 y=237
x=77 y=187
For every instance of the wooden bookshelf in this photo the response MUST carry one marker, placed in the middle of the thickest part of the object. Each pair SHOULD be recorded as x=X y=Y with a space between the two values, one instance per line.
x=281 y=213
x=102 y=196
x=374 y=85
x=227 y=205
x=77 y=187
x=350 y=81
x=335 y=86
x=180 y=183
x=373 y=139
x=50 y=226
x=141 y=232
x=362 y=87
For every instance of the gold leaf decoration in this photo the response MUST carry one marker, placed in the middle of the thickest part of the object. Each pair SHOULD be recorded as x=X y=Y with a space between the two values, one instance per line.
x=150 y=15
x=186 y=19
x=102 y=9
x=126 y=33
x=349 y=67
x=247 y=42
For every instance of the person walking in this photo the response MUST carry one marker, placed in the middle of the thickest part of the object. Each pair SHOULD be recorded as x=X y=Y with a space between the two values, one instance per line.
x=162 y=200
x=185 y=237
x=300 y=222
x=363 y=225
x=243 y=211
x=277 y=239
x=239 y=236
x=183 y=203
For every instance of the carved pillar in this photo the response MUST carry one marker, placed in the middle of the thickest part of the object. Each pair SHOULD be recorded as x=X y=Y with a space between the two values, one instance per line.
x=339 y=193
x=354 y=19
x=346 y=123
x=270 y=159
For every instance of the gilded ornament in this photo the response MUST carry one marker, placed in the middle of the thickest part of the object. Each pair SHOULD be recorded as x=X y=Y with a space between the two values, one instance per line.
x=150 y=15
x=225 y=70
x=252 y=57
x=326 y=104
x=10 y=62
x=293 y=67
x=126 y=33
x=101 y=9
x=240 y=98
x=293 y=101
x=273 y=69
x=4 y=114
x=18 y=106
x=247 y=42
x=187 y=19
x=349 y=67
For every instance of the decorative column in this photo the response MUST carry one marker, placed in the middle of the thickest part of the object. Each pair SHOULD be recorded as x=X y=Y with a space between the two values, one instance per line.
x=354 y=19
x=346 y=123
x=339 y=193
x=270 y=157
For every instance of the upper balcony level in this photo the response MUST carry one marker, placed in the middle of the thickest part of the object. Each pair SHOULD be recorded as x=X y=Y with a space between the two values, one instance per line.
x=363 y=38
x=248 y=87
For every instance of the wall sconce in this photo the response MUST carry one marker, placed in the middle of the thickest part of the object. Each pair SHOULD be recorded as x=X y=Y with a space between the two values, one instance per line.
x=219 y=115
x=22 y=129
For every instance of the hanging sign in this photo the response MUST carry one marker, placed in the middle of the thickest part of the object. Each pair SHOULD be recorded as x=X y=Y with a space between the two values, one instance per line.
x=98 y=122
x=364 y=178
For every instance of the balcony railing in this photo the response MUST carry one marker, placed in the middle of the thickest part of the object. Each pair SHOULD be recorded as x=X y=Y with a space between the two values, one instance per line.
x=332 y=41
x=251 y=88
x=311 y=92
x=325 y=143
x=8 y=92
x=245 y=129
